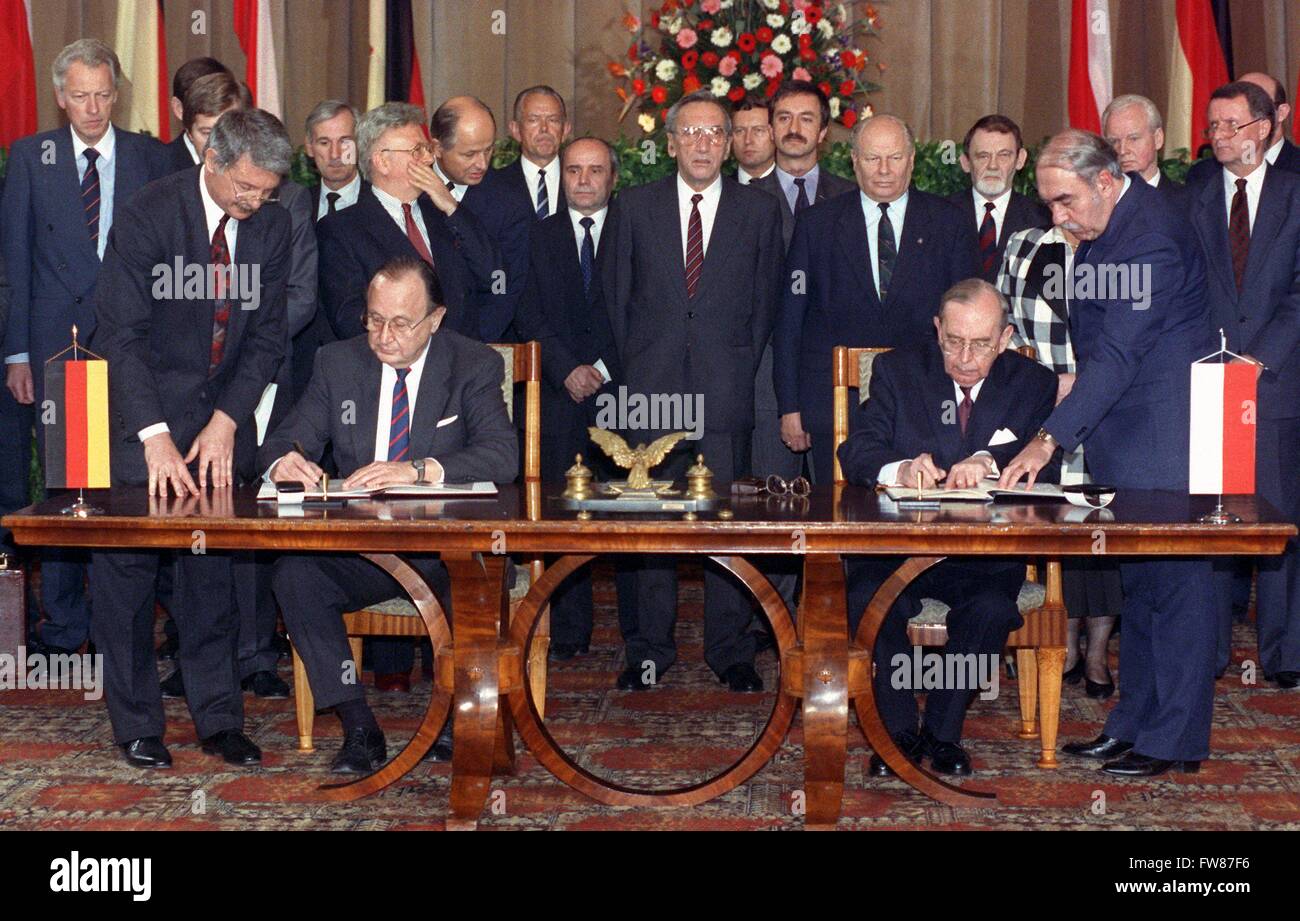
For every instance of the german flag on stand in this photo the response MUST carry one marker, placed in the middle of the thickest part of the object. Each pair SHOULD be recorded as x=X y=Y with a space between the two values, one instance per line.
x=75 y=416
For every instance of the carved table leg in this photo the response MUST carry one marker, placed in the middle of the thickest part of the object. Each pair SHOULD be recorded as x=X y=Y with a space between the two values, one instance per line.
x=825 y=688
x=1051 y=663
x=1027 y=687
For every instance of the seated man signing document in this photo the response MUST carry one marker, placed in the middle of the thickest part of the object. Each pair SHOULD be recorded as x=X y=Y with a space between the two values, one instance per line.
x=405 y=403
x=944 y=415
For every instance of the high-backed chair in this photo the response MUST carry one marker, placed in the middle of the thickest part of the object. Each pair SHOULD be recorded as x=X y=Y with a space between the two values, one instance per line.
x=851 y=370
x=522 y=365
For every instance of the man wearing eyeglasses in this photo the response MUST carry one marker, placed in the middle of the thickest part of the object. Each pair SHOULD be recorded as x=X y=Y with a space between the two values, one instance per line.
x=944 y=415
x=189 y=365
x=1280 y=152
x=1249 y=227
x=429 y=410
x=697 y=271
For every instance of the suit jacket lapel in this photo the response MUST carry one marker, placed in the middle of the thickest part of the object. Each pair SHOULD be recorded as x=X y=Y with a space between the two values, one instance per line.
x=1268 y=218
x=1212 y=222
x=721 y=238
x=70 y=186
x=368 y=378
x=668 y=217
x=851 y=231
x=988 y=410
x=912 y=239
x=198 y=246
x=941 y=408
x=435 y=391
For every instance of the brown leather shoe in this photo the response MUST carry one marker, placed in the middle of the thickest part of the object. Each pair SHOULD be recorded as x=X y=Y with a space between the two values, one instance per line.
x=394 y=681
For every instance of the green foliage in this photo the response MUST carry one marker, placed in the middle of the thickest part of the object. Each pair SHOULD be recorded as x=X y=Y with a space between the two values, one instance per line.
x=303 y=169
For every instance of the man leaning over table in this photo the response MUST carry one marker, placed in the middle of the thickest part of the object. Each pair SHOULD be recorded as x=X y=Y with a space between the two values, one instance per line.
x=944 y=415
x=427 y=408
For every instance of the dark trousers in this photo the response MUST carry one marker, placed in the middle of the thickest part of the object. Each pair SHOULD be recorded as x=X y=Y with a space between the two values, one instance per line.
x=648 y=597
x=15 y=459
x=316 y=590
x=1277 y=607
x=820 y=457
x=771 y=456
x=123 y=586
x=1166 y=661
x=981 y=595
x=255 y=602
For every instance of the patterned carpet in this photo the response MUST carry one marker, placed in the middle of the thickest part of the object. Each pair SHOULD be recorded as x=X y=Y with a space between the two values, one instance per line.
x=58 y=768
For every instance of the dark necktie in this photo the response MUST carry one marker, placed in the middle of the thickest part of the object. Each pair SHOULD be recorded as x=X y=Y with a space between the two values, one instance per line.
x=399 y=426
x=1239 y=233
x=543 y=203
x=451 y=186
x=90 y=196
x=963 y=410
x=694 y=246
x=220 y=259
x=333 y=199
x=988 y=241
x=413 y=234
x=801 y=199
x=588 y=258
x=886 y=251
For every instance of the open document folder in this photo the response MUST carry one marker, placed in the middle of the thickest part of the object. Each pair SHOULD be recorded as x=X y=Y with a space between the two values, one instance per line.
x=986 y=491
x=403 y=491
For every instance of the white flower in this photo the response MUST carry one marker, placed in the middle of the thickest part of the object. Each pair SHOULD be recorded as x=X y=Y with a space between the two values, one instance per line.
x=772 y=4
x=725 y=4
x=721 y=37
x=835 y=107
x=781 y=44
x=674 y=25
x=825 y=28
x=775 y=20
x=720 y=86
x=751 y=81
x=665 y=70
x=647 y=122
x=800 y=26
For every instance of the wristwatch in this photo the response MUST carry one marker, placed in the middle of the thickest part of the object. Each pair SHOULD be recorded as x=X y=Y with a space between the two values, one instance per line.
x=418 y=464
x=1045 y=435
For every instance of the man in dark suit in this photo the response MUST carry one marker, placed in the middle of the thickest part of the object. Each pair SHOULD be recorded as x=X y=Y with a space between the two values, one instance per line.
x=1135 y=331
x=206 y=100
x=187 y=374
x=751 y=139
x=393 y=219
x=992 y=154
x=464 y=135
x=1249 y=228
x=1133 y=126
x=15 y=430
x=429 y=410
x=64 y=190
x=564 y=307
x=697 y=274
x=864 y=270
x=181 y=151
x=540 y=124
x=952 y=411
x=1280 y=153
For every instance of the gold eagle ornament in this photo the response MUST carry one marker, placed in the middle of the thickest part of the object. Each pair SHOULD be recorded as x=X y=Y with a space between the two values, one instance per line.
x=638 y=460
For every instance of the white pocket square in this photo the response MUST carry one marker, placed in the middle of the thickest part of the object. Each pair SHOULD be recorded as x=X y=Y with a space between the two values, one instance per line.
x=448 y=421
x=1000 y=437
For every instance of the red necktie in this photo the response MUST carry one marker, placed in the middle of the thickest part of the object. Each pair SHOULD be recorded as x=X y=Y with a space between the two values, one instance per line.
x=1239 y=233
x=988 y=241
x=220 y=260
x=413 y=234
x=963 y=410
x=694 y=247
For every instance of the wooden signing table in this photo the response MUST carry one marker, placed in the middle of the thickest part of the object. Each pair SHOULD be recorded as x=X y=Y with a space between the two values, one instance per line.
x=482 y=673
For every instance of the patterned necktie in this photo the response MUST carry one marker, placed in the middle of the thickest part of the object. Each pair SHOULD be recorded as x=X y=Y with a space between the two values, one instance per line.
x=1239 y=233
x=219 y=257
x=588 y=257
x=543 y=203
x=399 y=426
x=800 y=199
x=988 y=241
x=90 y=196
x=413 y=234
x=694 y=246
x=333 y=199
x=886 y=251
x=963 y=410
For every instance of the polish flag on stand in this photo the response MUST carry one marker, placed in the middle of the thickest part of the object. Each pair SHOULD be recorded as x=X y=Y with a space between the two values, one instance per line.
x=1223 y=429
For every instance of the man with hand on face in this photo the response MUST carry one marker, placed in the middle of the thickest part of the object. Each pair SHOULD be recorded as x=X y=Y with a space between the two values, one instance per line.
x=992 y=154
x=429 y=409
x=463 y=133
x=540 y=125
x=751 y=128
x=944 y=415
x=564 y=308
x=187 y=374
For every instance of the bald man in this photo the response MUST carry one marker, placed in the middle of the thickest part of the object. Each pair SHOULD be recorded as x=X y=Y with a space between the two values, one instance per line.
x=464 y=132
x=1281 y=153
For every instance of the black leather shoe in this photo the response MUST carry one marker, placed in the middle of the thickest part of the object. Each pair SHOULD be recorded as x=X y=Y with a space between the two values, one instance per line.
x=1098 y=690
x=167 y=651
x=1075 y=674
x=1287 y=681
x=266 y=685
x=563 y=652
x=173 y=686
x=363 y=751
x=1135 y=765
x=148 y=752
x=630 y=680
x=1101 y=747
x=742 y=677
x=441 y=749
x=911 y=744
x=234 y=747
x=949 y=758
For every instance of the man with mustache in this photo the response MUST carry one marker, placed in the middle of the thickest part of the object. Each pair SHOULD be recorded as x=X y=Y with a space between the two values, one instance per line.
x=992 y=154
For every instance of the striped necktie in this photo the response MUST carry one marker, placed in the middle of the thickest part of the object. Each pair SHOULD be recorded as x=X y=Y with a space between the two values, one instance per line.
x=886 y=251
x=90 y=196
x=543 y=201
x=694 y=246
x=988 y=242
x=399 y=426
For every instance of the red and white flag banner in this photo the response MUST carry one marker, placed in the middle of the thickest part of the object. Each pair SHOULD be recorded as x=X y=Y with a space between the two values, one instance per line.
x=1223 y=429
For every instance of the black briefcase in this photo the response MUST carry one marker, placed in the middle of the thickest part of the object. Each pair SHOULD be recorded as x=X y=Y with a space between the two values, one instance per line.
x=13 y=606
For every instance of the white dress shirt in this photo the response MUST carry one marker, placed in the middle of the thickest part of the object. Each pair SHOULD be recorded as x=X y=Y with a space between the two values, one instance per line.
x=888 y=475
x=388 y=380
x=1254 y=185
x=189 y=145
x=1270 y=155
x=106 y=166
x=212 y=215
x=533 y=178
x=999 y=211
x=1154 y=181
x=348 y=196
x=708 y=210
x=745 y=179
x=791 y=190
x=871 y=211
x=394 y=208
x=457 y=190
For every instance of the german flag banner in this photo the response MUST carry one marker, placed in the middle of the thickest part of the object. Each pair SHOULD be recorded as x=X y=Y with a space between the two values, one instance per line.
x=75 y=416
